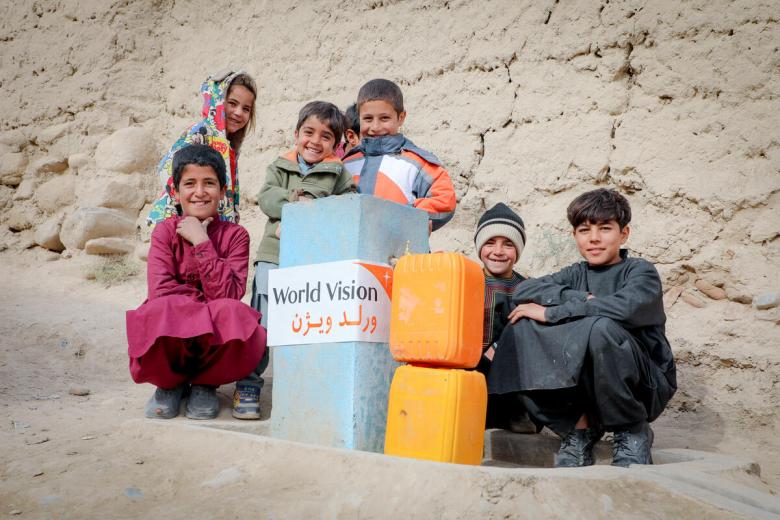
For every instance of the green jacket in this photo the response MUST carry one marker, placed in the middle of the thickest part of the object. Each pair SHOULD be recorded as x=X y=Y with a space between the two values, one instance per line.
x=282 y=177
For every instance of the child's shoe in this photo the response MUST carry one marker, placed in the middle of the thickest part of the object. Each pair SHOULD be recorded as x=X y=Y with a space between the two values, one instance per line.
x=246 y=401
x=633 y=447
x=203 y=402
x=164 y=404
x=521 y=423
x=577 y=448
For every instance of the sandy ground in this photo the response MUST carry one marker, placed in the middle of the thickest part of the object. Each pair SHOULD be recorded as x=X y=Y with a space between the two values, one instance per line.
x=60 y=452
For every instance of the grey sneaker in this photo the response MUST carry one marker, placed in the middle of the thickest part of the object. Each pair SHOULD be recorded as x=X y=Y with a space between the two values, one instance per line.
x=577 y=448
x=633 y=447
x=203 y=402
x=164 y=404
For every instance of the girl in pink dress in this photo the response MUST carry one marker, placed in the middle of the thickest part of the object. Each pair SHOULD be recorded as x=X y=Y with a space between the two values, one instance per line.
x=193 y=329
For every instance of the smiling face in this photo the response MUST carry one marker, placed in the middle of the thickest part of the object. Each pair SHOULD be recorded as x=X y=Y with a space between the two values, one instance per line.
x=314 y=140
x=599 y=243
x=199 y=191
x=498 y=255
x=238 y=108
x=378 y=118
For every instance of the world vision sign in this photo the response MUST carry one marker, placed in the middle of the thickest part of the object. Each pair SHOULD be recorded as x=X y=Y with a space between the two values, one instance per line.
x=329 y=303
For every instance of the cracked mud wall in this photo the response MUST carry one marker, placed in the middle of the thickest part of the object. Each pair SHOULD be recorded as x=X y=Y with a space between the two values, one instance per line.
x=530 y=103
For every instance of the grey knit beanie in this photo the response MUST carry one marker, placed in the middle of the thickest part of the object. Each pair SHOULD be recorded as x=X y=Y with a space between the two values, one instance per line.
x=500 y=221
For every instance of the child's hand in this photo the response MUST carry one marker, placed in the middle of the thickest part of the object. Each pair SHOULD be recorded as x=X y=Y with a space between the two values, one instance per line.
x=278 y=231
x=533 y=311
x=298 y=194
x=193 y=230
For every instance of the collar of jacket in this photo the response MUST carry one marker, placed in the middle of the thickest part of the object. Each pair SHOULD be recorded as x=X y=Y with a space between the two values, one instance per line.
x=390 y=145
x=289 y=162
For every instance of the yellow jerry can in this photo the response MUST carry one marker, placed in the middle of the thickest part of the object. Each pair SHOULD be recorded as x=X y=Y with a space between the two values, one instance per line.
x=437 y=310
x=436 y=414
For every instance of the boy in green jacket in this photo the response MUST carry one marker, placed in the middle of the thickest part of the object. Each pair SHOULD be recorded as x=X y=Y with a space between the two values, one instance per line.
x=311 y=170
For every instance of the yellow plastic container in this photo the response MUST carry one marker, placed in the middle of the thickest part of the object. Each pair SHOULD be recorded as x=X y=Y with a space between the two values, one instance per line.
x=436 y=414
x=437 y=310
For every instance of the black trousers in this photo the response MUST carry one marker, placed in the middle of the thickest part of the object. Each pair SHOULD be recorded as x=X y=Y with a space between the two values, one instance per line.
x=618 y=385
x=501 y=408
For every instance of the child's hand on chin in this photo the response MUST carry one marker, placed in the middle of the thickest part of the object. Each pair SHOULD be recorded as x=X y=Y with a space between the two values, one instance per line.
x=193 y=230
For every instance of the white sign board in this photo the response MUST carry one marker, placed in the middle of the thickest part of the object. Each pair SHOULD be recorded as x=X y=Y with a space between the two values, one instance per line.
x=329 y=303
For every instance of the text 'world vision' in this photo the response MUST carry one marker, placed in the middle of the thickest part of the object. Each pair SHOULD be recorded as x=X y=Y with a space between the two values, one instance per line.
x=335 y=292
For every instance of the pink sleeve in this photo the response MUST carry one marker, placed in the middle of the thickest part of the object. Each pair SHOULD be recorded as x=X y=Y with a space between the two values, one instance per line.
x=224 y=277
x=161 y=268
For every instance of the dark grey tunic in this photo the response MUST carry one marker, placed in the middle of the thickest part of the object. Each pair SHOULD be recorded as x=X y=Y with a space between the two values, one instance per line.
x=616 y=341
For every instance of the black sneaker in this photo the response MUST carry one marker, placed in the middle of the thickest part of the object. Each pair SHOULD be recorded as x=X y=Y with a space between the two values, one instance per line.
x=164 y=404
x=521 y=423
x=577 y=448
x=203 y=402
x=633 y=447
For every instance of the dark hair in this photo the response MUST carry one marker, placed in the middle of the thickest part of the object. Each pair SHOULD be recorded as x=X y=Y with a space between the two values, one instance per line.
x=601 y=205
x=328 y=114
x=201 y=155
x=352 y=118
x=384 y=90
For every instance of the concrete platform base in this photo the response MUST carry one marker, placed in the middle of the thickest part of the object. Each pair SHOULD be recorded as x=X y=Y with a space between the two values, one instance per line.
x=355 y=484
x=710 y=477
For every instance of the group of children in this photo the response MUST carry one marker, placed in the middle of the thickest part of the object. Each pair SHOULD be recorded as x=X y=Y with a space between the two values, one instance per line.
x=581 y=351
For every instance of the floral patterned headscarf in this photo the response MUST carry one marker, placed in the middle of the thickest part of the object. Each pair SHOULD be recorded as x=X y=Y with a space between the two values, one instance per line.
x=210 y=131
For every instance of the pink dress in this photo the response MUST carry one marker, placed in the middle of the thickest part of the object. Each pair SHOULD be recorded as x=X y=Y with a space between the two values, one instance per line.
x=192 y=326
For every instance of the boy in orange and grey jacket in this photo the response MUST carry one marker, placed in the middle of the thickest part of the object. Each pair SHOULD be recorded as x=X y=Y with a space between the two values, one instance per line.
x=387 y=165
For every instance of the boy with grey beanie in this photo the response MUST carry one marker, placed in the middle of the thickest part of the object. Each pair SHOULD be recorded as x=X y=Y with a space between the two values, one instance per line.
x=500 y=239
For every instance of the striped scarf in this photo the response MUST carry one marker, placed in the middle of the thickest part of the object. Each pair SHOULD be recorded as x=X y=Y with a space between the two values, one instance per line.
x=498 y=297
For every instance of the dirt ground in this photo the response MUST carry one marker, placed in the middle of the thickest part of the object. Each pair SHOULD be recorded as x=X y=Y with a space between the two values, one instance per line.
x=66 y=456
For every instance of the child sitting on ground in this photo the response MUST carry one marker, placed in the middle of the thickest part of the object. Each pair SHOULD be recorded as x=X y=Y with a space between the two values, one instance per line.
x=500 y=238
x=193 y=329
x=587 y=350
x=388 y=165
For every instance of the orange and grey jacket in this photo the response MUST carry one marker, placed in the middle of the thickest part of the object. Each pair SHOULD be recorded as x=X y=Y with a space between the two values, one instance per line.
x=391 y=167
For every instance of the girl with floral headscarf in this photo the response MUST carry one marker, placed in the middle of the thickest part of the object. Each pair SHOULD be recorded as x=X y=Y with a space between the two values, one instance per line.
x=228 y=114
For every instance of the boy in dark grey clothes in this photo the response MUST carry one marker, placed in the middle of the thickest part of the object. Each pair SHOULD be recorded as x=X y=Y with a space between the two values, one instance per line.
x=587 y=351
